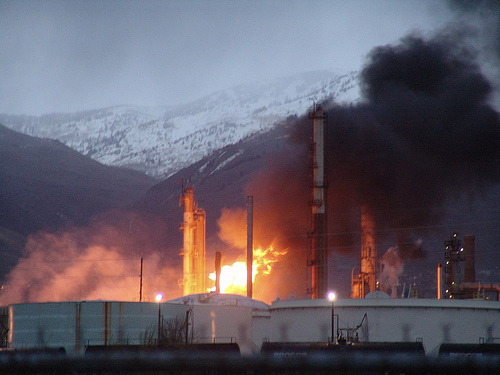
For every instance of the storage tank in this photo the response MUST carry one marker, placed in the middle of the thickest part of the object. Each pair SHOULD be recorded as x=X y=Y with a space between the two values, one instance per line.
x=74 y=325
x=429 y=321
x=211 y=318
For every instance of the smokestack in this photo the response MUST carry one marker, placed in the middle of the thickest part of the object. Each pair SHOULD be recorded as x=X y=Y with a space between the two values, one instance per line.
x=249 y=244
x=194 y=228
x=217 y=271
x=470 y=266
x=318 y=260
x=440 y=281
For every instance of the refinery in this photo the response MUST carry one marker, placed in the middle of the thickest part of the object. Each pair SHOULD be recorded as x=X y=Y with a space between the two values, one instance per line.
x=215 y=188
x=459 y=319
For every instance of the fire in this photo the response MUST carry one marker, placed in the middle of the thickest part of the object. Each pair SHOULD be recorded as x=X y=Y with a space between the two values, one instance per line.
x=233 y=278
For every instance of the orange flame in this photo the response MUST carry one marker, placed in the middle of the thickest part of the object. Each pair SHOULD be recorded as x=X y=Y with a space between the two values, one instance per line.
x=233 y=278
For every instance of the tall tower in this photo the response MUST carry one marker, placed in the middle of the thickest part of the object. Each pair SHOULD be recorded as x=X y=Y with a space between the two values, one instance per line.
x=319 y=248
x=194 y=228
x=366 y=281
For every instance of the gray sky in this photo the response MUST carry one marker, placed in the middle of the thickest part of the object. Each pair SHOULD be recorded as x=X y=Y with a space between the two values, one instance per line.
x=64 y=56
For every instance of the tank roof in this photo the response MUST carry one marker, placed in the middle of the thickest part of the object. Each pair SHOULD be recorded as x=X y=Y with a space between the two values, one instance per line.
x=221 y=299
x=388 y=303
x=377 y=294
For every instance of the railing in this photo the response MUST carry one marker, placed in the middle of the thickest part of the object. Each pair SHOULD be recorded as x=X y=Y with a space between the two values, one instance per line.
x=217 y=340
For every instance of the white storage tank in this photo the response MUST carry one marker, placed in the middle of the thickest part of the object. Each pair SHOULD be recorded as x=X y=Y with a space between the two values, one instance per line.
x=76 y=325
x=387 y=320
x=220 y=317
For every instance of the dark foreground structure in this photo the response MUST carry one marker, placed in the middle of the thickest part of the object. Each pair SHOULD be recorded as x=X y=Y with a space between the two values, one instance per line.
x=199 y=363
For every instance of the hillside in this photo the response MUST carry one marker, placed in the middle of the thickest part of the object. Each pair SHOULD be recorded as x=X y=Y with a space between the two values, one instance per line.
x=45 y=185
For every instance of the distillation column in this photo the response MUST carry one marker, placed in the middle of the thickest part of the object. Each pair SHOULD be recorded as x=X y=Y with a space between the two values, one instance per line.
x=368 y=249
x=193 y=252
x=366 y=281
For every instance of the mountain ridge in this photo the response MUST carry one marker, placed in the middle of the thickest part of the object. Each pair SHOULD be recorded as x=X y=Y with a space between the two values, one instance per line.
x=160 y=141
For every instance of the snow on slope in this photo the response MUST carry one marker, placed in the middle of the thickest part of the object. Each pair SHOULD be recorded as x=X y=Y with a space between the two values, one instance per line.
x=162 y=140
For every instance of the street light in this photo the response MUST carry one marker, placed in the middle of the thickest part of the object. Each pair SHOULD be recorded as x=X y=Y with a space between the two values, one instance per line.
x=158 y=298
x=331 y=297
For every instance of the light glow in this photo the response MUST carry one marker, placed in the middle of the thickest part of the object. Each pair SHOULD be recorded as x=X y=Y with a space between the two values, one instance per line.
x=331 y=296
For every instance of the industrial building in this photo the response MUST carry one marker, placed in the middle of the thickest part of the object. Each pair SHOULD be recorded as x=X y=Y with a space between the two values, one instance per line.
x=459 y=315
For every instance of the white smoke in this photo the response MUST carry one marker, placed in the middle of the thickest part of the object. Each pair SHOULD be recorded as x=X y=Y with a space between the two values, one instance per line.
x=86 y=264
x=392 y=268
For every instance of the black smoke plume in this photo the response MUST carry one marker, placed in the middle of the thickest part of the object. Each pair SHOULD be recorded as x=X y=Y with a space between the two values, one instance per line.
x=424 y=133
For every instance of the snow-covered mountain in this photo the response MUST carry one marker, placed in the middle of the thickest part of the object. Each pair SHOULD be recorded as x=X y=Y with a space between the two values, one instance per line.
x=162 y=140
